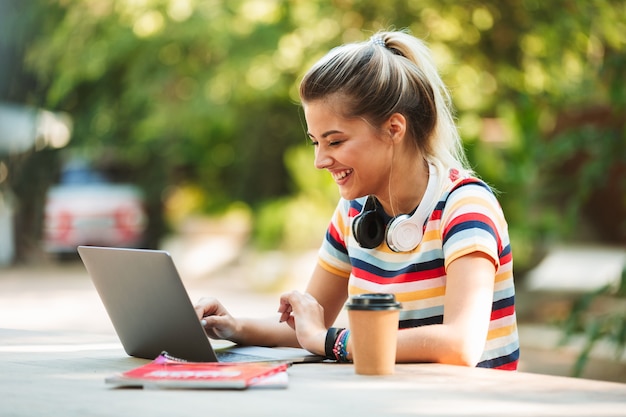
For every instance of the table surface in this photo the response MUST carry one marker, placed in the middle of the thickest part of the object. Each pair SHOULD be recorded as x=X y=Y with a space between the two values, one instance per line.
x=60 y=373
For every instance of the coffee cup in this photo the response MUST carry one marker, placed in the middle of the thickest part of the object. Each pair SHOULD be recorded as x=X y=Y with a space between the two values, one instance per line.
x=373 y=322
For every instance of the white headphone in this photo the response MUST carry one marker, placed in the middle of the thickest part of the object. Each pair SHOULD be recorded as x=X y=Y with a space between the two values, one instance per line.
x=404 y=231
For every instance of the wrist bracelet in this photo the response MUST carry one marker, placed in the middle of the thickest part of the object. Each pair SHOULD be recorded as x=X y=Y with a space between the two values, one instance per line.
x=329 y=343
x=341 y=346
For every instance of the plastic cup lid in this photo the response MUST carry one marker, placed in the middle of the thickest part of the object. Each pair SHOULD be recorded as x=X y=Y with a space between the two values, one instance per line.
x=375 y=301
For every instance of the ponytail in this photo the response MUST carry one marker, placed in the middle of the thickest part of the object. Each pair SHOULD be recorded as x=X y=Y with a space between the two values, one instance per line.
x=393 y=72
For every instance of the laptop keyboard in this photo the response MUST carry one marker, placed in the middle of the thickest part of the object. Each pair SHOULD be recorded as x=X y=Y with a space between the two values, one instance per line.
x=225 y=356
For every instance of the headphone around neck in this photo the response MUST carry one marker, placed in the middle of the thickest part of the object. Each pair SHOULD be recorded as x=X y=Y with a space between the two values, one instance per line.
x=404 y=231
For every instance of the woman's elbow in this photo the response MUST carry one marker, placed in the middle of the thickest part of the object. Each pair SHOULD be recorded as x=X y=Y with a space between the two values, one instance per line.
x=462 y=360
x=463 y=354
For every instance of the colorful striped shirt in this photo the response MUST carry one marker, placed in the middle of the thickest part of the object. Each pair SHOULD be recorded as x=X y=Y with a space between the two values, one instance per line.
x=466 y=219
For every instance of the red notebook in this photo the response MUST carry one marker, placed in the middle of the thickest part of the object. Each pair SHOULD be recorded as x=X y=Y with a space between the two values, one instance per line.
x=169 y=372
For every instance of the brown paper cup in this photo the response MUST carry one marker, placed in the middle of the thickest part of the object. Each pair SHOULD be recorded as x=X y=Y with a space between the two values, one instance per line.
x=374 y=333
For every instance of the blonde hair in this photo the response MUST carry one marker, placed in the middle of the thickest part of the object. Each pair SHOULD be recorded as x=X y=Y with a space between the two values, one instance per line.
x=391 y=73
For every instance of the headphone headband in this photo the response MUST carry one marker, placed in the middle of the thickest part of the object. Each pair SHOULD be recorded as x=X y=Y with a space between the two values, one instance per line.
x=405 y=232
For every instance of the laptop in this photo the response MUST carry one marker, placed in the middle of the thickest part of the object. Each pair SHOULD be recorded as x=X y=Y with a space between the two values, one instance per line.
x=151 y=311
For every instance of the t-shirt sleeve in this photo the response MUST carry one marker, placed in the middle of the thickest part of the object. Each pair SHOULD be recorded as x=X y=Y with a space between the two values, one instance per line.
x=333 y=254
x=473 y=221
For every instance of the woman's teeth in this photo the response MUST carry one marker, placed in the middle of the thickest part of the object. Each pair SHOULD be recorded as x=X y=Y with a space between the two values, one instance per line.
x=341 y=175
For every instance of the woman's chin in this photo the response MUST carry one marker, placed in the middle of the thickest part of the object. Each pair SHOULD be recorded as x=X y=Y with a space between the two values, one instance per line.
x=350 y=195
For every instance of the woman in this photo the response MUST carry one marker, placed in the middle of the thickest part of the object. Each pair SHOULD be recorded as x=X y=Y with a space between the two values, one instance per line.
x=413 y=220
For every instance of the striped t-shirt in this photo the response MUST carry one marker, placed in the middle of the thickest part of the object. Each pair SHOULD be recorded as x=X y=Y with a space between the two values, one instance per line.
x=467 y=219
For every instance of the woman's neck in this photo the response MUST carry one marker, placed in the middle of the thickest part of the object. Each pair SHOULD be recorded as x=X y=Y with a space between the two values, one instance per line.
x=407 y=185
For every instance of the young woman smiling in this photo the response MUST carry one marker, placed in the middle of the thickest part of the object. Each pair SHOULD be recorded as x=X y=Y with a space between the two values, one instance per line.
x=413 y=219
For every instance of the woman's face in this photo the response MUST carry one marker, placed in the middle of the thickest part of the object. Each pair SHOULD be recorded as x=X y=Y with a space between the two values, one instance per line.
x=354 y=153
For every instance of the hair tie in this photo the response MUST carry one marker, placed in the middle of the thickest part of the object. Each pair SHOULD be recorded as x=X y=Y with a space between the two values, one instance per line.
x=378 y=40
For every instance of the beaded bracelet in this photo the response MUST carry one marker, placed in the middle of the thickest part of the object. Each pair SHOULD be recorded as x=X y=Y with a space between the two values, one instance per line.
x=341 y=345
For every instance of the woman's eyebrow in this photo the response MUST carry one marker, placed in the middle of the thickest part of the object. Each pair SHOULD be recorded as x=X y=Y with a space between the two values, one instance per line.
x=325 y=134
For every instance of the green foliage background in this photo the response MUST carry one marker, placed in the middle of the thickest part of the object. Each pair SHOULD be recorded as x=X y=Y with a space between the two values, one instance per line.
x=202 y=94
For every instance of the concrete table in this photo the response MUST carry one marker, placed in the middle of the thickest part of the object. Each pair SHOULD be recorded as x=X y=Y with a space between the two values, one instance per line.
x=62 y=374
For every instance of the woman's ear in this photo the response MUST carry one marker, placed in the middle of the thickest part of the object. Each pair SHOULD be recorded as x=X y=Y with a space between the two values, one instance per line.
x=396 y=126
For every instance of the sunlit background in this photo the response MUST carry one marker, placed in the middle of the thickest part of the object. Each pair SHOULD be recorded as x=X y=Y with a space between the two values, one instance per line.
x=175 y=124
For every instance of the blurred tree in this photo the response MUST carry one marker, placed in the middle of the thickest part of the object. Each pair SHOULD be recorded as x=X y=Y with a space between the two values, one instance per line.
x=598 y=324
x=28 y=174
x=204 y=92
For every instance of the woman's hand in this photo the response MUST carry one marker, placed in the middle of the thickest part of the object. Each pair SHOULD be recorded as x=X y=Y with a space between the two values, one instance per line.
x=216 y=320
x=305 y=315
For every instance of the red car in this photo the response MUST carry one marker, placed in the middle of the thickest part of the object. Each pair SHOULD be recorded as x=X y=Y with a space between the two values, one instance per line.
x=86 y=209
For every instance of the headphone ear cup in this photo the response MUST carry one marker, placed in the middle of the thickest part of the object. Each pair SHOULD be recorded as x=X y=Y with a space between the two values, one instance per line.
x=403 y=235
x=369 y=229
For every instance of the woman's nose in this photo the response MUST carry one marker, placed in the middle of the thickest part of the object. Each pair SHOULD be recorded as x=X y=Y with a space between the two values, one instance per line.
x=322 y=159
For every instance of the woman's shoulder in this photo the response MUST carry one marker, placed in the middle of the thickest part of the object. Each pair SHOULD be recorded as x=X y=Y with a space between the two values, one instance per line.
x=471 y=192
x=467 y=182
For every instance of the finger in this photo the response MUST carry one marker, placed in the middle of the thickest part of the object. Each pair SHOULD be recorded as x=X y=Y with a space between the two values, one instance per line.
x=290 y=304
x=291 y=300
x=291 y=322
x=285 y=307
x=284 y=316
x=214 y=327
x=210 y=322
x=207 y=307
x=286 y=300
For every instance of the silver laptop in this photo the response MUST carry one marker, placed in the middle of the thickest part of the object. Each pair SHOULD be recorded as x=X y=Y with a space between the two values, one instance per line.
x=151 y=311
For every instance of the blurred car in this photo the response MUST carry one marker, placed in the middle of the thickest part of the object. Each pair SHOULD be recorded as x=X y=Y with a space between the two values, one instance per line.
x=87 y=209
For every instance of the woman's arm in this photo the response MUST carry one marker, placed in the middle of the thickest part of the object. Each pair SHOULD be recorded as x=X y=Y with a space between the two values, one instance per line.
x=311 y=313
x=330 y=290
x=326 y=294
x=460 y=340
